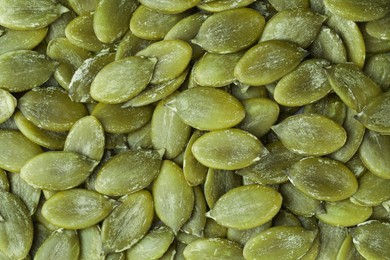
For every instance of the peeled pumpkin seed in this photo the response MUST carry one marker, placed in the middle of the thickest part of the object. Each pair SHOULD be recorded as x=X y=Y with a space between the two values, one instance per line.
x=173 y=197
x=242 y=236
x=312 y=253
x=63 y=75
x=285 y=218
x=57 y=28
x=356 y=165
x=186 y=238
x=230 y=149
x=371 y=239
x=258 y=204
x=285 y=242
x=171 y=7
x=16 y=227
x=230 y=31
x=61 y=245
x=223 y=5
x=16 y=150
x=63 y=50
x=130 y=45
x=41 y=233
x=141 y=138
x=310 y=134
x=331 y=238
x=128 y=172
x=216 y=109
x=197 y=222
x=82 y=7
x=374 y=45
x=255 y=67
x=128 y=222
x=213 y=248
x=90 y=243
x=116 y=256
x=22 y=15
x=33 y=69
x=109 y=27
x=194 y=172
x=51 y=108
x=300 y=26
x=13 y=40
x=323 y=179
x=57 y=170
x=4 y=183
x=376 y=68
x=111 y=84
x=379 y=28
x=7 y=105
x=86 y=137
x=280 y=5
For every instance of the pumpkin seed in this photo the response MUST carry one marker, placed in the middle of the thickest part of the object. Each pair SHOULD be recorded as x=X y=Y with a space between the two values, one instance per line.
x=197 y=222
x=250 y=92
x=63 y=75
x=323 y=179
x=57 y=170
x=13 y=40
x=280 y=5
x=128 y=223
x=348 y=250
x=214 y=230
x=130 y=45
x=4 y=183
x=230 y=149
x=173 y=197
x=374 y=45
x=194 y=172
x=255 y=67
x=223 y=5
x=141 y=138
x=61 y=245
x=285 y=218
x=90 y=243
x=41 y=233
x=243 y=236
x=376 y=67
x=381 y=212
x=286 y=242
x=116 y=256
x=313 y=251
x=379 y=28
x=356 y=165
x=259 y=204
x=331 y=238
x=7 y=105
x=82 y=7
x=172 y=7
x=310 y=134
x=213 y=248
x=57 y=28
x=230 y=31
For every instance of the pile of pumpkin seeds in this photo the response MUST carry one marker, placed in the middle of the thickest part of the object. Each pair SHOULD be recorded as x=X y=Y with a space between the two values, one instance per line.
x=194 y=129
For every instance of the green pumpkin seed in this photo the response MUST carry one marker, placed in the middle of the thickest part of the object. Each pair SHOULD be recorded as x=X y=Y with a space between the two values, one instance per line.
x=51 y=109
x=128 y=222
x=16 y=227
x=186 y=238
x=33 y=69
x=255 y=67
x=197 y=222
x=173 y=197
x=171 y=7
x=116 y=256
x=280 y=5
x=118 y=120
x=287 y=242
x=313 y=251
x=82 y=7
x=7 y=105
x=13 y=40
x=57 y=170
x=356 y=165
x=331 y=238
x=214 y=230
x=39 y=218
x=300 y=26
x=128 y=172
x=348 y=250
x=22 y=15
x=141 y=138
x=63 y=50
x=86 y=137
x=111 y=19
x=259 y=204
x=379 y=28
x=310 y=134
x=223 y=5
x=381 y=212
x=90 y=244
x=57 y=28
x=250 y=92
x=16 y=150
x=41 y=233
x=374 y=45
x=168 y=131
x=130 y=45
x=63 y=75
x=61 y=245
x=216 y=109
x=374 y=153
x=4 y=183
x=149 y=24
x=376 y=67
x=371 y=239
x=323 y=179
x=307 y=84
x=213 y=248
x=194 y=172
x=230 y=149
x=243 y=236
x=230 y=31
x=153 y=245
x=360 y=10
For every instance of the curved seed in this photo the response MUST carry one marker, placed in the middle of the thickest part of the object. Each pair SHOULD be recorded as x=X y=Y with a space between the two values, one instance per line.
x=197 y=222
x=258 y=205
x=130 y=44
x=376 y=67
x=63 y=50
x=194 y=172
x=13 y=40
x=128 y=223
x=4 y=182
x=243 y=236
x=171 y=7
x=331 y=238
x=61 y=244
x=213 y=248
x=379 y=28
x=280 y=5
x=90 y=243
x=63 y=75
x=57 y=28
x=7 y=105
x=141 y=138
x=374 y=45
x=223 y=5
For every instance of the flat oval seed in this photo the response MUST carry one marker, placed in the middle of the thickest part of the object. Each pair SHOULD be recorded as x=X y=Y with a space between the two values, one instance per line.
x=63 y=75
x=280 y=5
x=7 y=105
x=197 y=222
x=57 y=170
x=173 y=57
x=194 y=172
x=111 y=84
x=379 y=28
x=173 y=197
x=230 y=149
x=90 y=243
x=16 y=150
x=129 y=45
x=310 y=134
x=33 y=69
x=280 y=242
x=230 y=31
x=258 y=205
x=109 y=27
x=323 y=179
x=141 y=138
x=374 y=45
x=268 y=61
x=223 y=5
x=215 y=108
x=77 y=208
x=300 y=26
x=13 y=40
x=242 y=236
x=331 y=238
x=22 y=15
x=63 y=50
x=128 y=223
x=86 y=137
x=128 y=172
x=16 y=227
x=171 y=7
x=82 y=7
x=376 y=67
x=213 y=248
x=372 y=240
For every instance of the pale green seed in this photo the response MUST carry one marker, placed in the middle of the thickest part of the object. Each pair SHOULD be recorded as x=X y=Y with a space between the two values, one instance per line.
x=57 y=28
x=7 y=105
x=213 y=248
x=280 y=5
x=223 y=5
x=171 y=7
x=41 y=233
x=116 y=256
x=62 y=50
x=141 y=138
x=197 y=222
x=130 y=45
x=82 y=7
x=13 y=40
x=313 y=251
x=348 y=250
x=285 y=218
x=4 y=182
x=242 y=236
x=356 y=165
x=194 y=172
x=214 y=230
x=90 y=244
x=61 y=245
x=243 y=93
x=63 y=75
x=379 y=28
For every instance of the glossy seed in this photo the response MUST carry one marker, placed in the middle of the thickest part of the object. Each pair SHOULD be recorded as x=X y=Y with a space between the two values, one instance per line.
x=216 y=109
x=223 y=5
x=83 y=6
x=376 y=67
x=374 y=45
x=280 y=5
x=230 y=31
x=90 y=243
x=13 y=40
x=310 y=134
x=57 y=170
x=141 y=138
x=128 y=222
x=129 y=45
x=379 y=28
x=197 y=222
x=255 y=67
x=63 y=75
x=242 y=236
x=194 y=171
x=331 y=238
x=4 y=182
x=176 y=6
x=228 y=149
x=258 y=204
x=63 y=50
x=323 y=179
x=7 y=105
x=213 y=248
